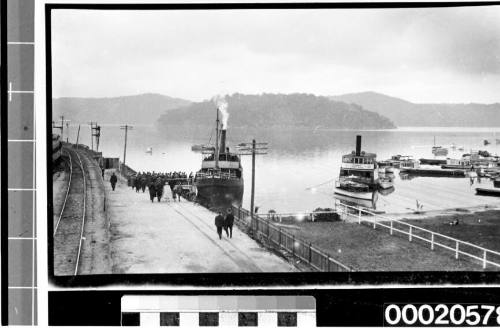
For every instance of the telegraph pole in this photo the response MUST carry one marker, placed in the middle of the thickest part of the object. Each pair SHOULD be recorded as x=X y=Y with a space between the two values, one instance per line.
x=126 y=128
x=61 y=126
x=253 y=148
x=92 y=134
x=78 y=136
x=96 y=132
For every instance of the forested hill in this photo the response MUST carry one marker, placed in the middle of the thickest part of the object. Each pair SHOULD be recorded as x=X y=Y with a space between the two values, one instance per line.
x=137 y=109
x=279 y=111
x=405 y=113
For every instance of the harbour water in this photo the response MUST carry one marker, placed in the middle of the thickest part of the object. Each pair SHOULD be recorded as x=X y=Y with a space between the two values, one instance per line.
x=299 y=170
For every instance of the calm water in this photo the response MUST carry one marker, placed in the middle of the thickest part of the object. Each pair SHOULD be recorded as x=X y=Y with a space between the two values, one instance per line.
x=299 y=160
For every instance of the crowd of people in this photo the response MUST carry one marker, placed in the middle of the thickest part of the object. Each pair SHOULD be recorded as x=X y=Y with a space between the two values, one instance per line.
x=155 y=181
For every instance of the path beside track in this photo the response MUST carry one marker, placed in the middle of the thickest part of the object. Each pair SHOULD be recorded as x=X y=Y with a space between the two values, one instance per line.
x=177 y=237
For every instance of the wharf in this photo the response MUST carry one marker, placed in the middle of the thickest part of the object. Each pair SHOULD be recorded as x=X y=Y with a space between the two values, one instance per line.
x=434 y=172
x=432 y=161
x=488 y=191
x=177 y=237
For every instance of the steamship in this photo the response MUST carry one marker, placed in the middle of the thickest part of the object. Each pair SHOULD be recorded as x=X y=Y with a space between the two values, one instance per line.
x=358 y=178
x=219 y=182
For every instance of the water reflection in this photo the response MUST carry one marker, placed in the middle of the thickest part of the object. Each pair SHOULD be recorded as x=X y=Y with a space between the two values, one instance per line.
x=298 y=159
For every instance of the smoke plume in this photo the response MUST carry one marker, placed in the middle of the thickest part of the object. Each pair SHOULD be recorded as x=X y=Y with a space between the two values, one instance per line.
x=221 y=103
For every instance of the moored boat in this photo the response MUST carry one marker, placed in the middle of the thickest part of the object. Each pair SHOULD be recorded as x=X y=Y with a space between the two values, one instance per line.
x=219 y=182
x=462 y=163
x=439 y=151
x=358 y=178
x=385 y=182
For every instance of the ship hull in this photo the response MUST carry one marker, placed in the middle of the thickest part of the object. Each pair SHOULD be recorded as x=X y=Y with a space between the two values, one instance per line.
x=368 y=199
x=217 y=193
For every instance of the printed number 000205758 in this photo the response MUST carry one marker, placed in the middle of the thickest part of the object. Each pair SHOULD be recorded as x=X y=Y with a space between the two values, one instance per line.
x=441 y=315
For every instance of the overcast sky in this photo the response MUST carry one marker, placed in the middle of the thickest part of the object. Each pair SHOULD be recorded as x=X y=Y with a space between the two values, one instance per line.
x=421 y=55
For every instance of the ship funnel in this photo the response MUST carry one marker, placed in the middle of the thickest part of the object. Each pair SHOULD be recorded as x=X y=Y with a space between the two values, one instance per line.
x=223 y=141
x=358 y=145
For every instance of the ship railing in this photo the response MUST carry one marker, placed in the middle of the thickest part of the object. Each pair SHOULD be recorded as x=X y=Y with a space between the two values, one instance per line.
x=222 y=175
x=277 y=238
x=486 y=257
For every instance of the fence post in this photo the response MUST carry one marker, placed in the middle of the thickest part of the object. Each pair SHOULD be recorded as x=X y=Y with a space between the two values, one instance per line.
x=293 y=245
x=391 y=225
x=268 y=229
x=484 y=259
x=456 y=250
x=409 y=235
x=309 y=253
x=328 y=259
x=359 y=216
x=432 y=241
x=374 y=222
x=279 y=238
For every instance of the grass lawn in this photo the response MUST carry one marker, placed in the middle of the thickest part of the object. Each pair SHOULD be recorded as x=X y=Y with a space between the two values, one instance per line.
x=365 y=249
x=481 y=228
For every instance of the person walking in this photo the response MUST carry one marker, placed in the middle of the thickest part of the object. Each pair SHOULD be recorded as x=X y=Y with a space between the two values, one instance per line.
x=219 y=223
x=228 y=223
x=113 y=180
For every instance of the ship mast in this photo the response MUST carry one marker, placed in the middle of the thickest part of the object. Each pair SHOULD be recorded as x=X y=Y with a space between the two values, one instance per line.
x=217 y=140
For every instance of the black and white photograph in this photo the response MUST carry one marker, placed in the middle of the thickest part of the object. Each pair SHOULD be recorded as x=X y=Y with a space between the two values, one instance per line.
x=283 y=140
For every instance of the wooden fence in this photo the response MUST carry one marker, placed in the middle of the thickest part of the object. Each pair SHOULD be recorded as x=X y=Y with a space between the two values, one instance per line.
x=427 y=237
x=278 y=239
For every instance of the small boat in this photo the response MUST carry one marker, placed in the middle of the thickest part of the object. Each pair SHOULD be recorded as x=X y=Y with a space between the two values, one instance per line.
x=202 y=148
x=388 y=191
x=439 y=150
x=389 y=170
x=408 y=162
x=149 y=150
x=357 y=202
x=385 y=182
x=486 y=142
x=347 y=187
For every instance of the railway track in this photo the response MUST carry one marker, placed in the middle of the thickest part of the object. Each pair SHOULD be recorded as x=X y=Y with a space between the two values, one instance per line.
x=68 y=230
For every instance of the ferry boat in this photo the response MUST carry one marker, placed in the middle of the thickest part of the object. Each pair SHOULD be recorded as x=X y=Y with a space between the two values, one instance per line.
x=219 y=182
x=463 y=163
x=358 y=178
